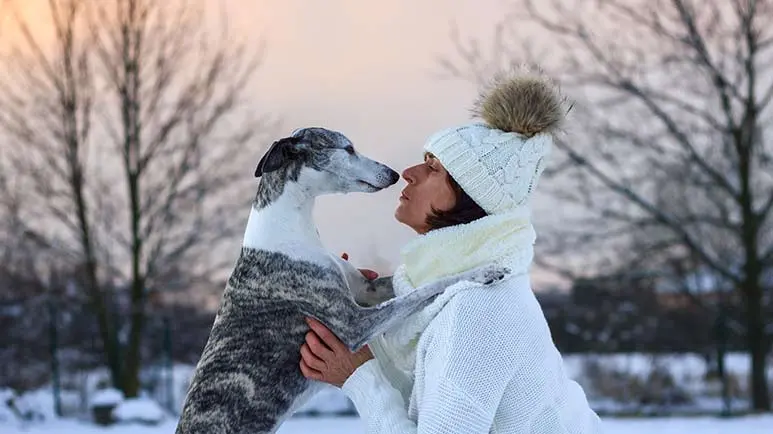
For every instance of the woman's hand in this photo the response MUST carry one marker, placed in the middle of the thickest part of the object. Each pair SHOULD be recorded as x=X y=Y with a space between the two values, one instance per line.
x=325 y=358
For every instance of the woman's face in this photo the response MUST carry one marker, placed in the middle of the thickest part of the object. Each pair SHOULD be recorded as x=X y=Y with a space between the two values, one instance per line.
x=428 y=188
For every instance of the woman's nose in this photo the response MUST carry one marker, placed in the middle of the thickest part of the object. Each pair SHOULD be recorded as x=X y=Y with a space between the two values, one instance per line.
x=408 y=175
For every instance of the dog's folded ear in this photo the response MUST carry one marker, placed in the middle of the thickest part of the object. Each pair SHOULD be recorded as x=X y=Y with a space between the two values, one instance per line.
x=280 y=151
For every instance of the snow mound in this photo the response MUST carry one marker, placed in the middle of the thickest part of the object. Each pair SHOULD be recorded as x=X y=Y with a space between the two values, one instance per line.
x=6 y=399
x=106 y=397
x=142 y=410
x=32 y=406
x=36 y=405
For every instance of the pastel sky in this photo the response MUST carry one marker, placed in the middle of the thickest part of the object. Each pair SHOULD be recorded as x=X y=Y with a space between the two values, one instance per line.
x=368 y=69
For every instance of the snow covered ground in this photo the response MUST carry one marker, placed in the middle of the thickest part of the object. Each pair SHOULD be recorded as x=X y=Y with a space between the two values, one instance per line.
x=747 y=425
x=688 y=371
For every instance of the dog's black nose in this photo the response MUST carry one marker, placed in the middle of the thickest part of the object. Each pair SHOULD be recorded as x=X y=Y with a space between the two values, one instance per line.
x=393 y=176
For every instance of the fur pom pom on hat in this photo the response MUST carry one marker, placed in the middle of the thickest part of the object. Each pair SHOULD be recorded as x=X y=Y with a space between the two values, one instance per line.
x=498 y=162
x=523 y=104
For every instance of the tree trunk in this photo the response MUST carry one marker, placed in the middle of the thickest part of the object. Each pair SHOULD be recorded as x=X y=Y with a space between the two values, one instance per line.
x=131 y=385
x=134 y=350
x=137 y=325
x=130 y=106
x=751 y=287
x=98 y=299
x=758 y=349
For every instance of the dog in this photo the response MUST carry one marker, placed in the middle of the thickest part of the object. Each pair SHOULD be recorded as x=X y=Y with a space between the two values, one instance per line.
x=248 y=379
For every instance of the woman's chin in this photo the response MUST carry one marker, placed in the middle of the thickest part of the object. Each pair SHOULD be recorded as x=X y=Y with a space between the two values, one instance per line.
x=399 y=214
x=402 y=216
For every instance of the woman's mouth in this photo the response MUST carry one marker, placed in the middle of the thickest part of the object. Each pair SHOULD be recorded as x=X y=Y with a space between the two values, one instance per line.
x=403 y=196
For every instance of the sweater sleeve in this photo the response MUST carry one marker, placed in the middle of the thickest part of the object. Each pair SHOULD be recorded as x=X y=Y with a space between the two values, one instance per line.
x=446 y=408
x=379 y=404
x=464 y=375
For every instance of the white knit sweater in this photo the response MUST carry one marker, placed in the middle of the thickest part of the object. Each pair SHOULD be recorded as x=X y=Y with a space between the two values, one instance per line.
x=478 y=359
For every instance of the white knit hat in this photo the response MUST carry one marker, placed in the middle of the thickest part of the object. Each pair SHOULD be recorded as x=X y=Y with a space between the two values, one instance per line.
x=499 y=161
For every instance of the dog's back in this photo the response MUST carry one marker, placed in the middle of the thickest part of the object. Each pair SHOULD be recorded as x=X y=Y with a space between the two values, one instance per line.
x=248 y=376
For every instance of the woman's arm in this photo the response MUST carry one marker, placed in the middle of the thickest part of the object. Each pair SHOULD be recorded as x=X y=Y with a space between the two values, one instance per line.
x=379 y=405
x=444 y=405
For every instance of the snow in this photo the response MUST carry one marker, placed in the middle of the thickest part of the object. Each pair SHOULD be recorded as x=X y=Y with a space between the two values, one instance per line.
x=32 y=412
x=139 y=410
x=688 y=370
x=6 y=414
x=352 y=425
x=702 y=425
x=37 y=404
x=106 y=397
x=328 y=401
x=33 y=405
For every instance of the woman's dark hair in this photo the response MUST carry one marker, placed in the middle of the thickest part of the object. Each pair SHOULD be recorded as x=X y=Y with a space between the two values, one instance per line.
x=464 y=211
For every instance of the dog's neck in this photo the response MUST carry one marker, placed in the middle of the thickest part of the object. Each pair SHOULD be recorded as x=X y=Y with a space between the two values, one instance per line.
x=284 y=225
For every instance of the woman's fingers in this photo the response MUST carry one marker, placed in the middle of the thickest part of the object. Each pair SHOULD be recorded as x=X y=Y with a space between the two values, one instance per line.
x=368 y=274
x=325 y=358
x=310 y=359
x=317 y=347
x=310 y=373
x=328 y=338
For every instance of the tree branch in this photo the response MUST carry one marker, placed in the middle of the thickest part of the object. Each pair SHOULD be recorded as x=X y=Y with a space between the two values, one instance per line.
x=650 y=209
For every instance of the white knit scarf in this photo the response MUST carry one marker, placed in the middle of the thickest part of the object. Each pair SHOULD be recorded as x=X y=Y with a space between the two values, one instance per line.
x=505 y=239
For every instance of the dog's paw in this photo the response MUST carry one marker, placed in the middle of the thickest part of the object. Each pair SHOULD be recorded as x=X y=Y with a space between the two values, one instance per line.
x=490 y=274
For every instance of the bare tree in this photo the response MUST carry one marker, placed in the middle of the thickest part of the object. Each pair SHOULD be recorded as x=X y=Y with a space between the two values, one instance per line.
x=45 y=110
x=129 y=134
x=675 y=103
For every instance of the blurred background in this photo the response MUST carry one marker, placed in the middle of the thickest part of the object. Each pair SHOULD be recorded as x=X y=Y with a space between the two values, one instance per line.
x=130 y=130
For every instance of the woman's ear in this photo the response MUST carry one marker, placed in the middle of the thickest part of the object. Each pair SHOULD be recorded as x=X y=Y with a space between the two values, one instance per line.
x=280 y=152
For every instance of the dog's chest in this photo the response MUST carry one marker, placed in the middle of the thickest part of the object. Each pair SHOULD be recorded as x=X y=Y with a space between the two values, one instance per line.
x=261 y=274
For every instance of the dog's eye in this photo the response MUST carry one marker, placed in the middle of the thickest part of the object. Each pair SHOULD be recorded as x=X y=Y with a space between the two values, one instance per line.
x=349 y=149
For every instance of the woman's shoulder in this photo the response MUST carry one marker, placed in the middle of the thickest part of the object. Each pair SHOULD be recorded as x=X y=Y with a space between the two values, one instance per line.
x=506 y=306
x=503 y=295
x=499 y=326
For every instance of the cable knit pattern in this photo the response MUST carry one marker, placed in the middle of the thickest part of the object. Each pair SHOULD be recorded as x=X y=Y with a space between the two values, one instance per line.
x=476 y=360
x=498 y=169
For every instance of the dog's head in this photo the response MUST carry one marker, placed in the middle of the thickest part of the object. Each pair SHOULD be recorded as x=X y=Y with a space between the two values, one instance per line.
x=324 y=161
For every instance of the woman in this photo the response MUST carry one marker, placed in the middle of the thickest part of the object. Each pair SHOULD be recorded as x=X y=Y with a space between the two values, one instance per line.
x=477 y=359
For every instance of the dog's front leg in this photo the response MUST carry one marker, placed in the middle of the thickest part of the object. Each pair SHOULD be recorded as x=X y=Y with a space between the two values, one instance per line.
x=372 y=292
x=366 y=292
x=356 y=325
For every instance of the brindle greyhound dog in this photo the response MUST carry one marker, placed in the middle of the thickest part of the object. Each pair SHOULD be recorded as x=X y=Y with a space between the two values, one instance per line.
x=248 y=379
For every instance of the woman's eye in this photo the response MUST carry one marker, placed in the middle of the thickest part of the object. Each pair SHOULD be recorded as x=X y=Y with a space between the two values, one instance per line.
x=350 y=150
